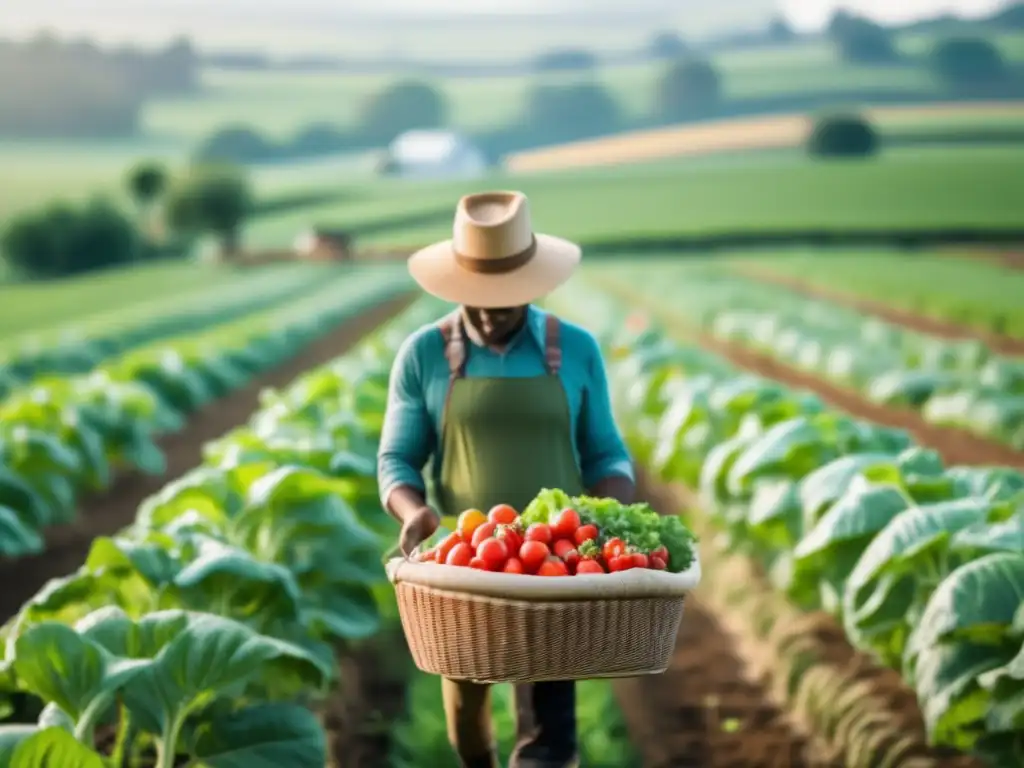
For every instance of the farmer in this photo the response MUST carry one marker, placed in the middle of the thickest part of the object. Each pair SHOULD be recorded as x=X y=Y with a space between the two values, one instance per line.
x=506 y=399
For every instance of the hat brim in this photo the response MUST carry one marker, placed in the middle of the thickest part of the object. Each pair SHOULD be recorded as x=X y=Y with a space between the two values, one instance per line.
x=438 y=273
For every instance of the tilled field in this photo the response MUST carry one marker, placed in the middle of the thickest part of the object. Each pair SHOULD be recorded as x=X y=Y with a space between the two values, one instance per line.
x=756 y=683
x=103 y=515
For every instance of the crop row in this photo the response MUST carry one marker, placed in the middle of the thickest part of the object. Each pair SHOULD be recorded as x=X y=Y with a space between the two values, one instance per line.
x=952 y=383
x=923 y=565
x=96 y=337
x=205 y=627
x=64 y=436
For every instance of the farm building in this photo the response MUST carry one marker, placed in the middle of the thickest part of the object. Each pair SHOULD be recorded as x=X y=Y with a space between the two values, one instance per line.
x=323 y=245
x=433 y=154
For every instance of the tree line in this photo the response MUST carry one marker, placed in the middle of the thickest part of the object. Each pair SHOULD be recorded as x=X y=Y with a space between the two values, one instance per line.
x=170 y=213
x=688 y=88
x=57 y=89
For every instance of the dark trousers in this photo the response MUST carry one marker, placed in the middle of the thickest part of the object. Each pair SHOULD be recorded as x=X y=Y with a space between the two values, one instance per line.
x=545 y=725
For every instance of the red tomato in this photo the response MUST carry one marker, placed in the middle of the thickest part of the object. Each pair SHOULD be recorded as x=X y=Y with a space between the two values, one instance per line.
x=485 y=531
x=613 y=548
x=479 y=564
x=620 y=563
x=553 y=567
x=585 y=533
x=513 y=539
x=565 y=523
x=429 y=556
x=661 y=552
x=502 y=514
x=657 y=563
x=514 y=565
x=567 y=552
x=588 y=566
x=446 y=546
x=539 y=532
x=640 y=560
x=460 y=554
x=533 y=554
x=494 y=553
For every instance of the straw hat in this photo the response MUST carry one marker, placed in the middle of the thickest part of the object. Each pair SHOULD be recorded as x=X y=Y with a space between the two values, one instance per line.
x=494 y=258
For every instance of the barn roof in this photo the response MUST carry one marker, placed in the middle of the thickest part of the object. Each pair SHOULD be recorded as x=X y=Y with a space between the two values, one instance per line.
x=426 y=145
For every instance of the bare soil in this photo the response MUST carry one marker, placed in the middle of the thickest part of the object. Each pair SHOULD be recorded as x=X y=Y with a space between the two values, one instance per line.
x=371 y=697
x=932 y=325
x=756 y=683
x=105 y=514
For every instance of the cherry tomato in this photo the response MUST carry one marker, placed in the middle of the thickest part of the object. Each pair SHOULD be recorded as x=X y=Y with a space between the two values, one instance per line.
x=620 y=563
x=469 y=521
x=553 y=567
x=429 y=556
x=585 y=533
x=613 y=548
x=502 y=514
x=588 y=566
x=513 y=539
x=565 y=523
x=494 y=553
x=567 y=552
x=640 y=560
x=461 y=554
x=479 y=564
x=514 y=565
x=661 y=552
x=446 y=546
x=484 y=531
x=539 y=532
x=657 y=563
x=533 y=554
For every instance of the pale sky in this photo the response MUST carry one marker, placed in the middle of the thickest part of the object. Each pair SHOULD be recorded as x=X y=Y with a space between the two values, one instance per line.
x=810 y=14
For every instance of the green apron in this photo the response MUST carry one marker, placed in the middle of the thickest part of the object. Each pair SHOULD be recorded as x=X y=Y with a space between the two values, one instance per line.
x=503 y=440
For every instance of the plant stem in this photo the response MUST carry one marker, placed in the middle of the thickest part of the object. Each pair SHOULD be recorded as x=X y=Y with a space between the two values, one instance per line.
x=166 y=749
x=124 y=737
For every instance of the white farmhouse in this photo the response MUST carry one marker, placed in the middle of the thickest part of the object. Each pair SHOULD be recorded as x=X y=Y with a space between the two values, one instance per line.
x=434 y=154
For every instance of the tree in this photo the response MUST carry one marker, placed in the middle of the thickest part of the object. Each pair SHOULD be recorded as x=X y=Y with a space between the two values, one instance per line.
x=61 y=240
x=214 y=200
x=667 y=45
x=147 y=183
x=779 y=30
x=687 y=89
x=236 y=144
x=842 y=136
x=403 y=106
x=860 y=40
x=969 y=63
x=565 y=60
x=567 y=112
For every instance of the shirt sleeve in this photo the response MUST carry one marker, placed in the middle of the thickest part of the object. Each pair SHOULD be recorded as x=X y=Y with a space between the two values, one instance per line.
x=602 y=450
x=407 y=438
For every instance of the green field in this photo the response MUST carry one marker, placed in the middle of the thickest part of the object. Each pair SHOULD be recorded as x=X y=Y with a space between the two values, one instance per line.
x=767 y=191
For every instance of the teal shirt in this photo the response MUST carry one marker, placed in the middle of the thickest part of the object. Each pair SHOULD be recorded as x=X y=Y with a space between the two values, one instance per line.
x=419 y=385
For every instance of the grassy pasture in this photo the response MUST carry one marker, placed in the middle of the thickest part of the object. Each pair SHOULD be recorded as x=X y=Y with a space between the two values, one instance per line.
x=976 y=186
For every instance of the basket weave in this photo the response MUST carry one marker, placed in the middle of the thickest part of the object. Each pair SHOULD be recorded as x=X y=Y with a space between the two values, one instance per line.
x=489 y=638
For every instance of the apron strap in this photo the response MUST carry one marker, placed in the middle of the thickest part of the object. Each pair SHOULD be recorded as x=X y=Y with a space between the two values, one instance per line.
x=552 y=345
x=454 y=350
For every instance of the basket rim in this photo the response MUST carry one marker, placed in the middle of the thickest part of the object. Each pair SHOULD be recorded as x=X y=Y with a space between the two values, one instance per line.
x=624 y=585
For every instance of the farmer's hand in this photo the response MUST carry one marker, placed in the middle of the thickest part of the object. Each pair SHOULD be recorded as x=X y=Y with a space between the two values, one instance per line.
x=417 y=528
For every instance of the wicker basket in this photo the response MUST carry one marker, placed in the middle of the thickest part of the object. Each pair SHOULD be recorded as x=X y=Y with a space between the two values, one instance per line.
x=495 y=628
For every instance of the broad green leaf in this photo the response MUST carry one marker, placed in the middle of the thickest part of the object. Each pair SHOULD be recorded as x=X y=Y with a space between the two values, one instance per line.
x=265 y=736
x=55 y=748
x=16 y=538
x=210 y=657
x=975 y=603
x=987 y=537
x=53 y=716
x=120 y=556
x=17 y=494
x=63 y=667
x=10 y=737
x=205 y=491
x=349 y=613
x=823 y=487
x=774 y=514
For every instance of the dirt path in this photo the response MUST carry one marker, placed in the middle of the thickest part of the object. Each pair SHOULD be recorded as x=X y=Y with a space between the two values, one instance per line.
x=105 y=514
x=946 y=329
x=752 y=675
x=707 y=711
x=371 y=698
